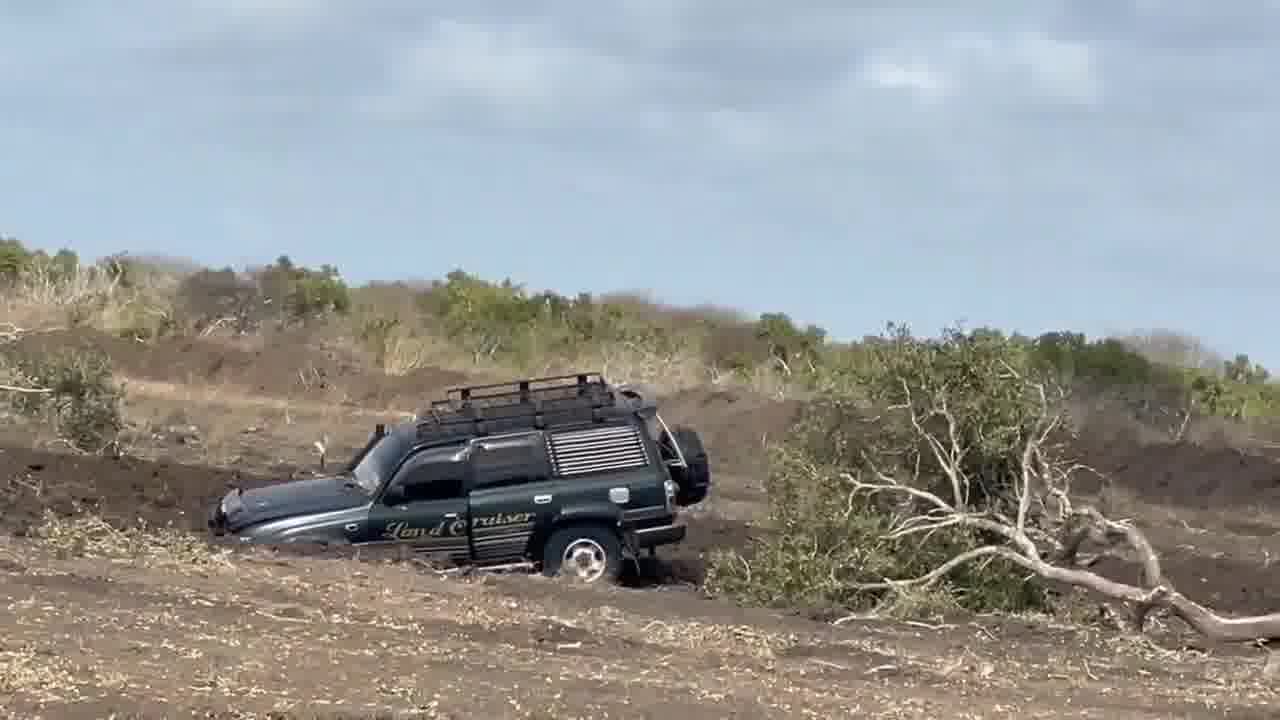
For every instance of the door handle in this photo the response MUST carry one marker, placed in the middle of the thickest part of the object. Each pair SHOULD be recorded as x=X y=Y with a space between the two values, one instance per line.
x=351 y=527
x=451 y=516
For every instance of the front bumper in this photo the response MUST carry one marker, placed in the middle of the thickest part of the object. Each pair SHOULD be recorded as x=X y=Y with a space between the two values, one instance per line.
x=660 y=535
x=217 y=516
x=217 y=520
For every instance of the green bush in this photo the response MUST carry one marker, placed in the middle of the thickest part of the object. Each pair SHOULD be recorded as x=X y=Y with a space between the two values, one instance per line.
x=19 y=263
x=78 y=395
x=302 y=294
x=825 y=541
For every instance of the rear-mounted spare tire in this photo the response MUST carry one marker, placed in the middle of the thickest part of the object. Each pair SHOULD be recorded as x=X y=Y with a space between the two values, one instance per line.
x=694 y=481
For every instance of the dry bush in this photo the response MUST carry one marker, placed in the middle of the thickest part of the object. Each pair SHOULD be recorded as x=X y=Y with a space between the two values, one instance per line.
x=117 y=295
x=212 y=300
x=73 y=391
x=460 y=322
x=1177 y=349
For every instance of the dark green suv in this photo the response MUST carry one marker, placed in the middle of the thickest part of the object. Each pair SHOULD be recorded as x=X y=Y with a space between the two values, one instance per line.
x=569 y=473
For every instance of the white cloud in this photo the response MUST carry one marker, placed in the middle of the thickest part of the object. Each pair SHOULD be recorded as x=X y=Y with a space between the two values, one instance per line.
x=273 y=12
x=915 y=76
x=1059 y=69
x=1015 y=66
x=516 y=71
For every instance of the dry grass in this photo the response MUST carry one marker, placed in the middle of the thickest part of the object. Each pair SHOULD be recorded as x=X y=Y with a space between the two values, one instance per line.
x=315 y=637
x=92 y=298
x=229 y=396
x=89 y=536
x=220 y=425
x=149 y=306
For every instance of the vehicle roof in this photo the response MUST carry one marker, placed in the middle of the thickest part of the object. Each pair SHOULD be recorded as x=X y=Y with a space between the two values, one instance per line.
x=535 y=403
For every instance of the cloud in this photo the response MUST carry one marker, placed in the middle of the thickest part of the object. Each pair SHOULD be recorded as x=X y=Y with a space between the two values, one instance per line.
x=740 y=77
x=972 y=67
x=743 y=76
x=1098 y=133
x=512 y=70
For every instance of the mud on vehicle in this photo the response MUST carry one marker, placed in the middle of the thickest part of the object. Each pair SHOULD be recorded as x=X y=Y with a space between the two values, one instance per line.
x=568 y=473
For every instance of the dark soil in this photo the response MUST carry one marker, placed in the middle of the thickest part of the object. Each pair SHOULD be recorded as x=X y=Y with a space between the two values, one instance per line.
x=1182 y=474
x=122 y=490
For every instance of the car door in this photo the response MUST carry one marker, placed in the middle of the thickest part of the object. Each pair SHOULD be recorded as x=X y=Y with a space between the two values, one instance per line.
x=510 y=494
x=424 y=506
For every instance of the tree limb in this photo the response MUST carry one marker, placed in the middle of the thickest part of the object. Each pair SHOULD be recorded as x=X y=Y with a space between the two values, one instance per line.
x=27 y=390
x=1052 y=556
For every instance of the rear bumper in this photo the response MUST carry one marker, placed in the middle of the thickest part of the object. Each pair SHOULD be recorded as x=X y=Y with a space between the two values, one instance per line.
x=660 y=535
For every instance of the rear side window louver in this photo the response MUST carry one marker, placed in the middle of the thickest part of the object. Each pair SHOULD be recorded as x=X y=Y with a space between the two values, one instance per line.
x=580 y=452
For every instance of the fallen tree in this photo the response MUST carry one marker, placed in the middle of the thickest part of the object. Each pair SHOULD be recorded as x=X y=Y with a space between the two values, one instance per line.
x=934 y=475
x=1035 y=525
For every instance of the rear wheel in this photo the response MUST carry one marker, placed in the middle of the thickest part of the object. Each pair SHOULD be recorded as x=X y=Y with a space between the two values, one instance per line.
x=585 y=554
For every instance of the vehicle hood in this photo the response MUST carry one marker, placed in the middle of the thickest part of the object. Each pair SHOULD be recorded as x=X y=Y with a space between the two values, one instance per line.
x=290 y=498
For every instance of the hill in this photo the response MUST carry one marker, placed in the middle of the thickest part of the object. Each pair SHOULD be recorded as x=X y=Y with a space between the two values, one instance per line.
x=164 y=383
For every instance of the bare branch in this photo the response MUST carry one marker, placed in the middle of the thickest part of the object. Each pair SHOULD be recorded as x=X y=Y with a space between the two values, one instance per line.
x=1051 y=555
x=946 y=460
x=27 y=390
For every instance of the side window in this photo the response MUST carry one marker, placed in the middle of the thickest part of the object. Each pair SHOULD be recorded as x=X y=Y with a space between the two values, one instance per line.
x=511 y=460
x=610 y=448
x=435 y=474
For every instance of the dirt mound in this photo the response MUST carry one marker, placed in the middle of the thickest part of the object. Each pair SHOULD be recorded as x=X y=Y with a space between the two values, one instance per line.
x=285 y=364
x=1183 y=474
x=734 y=424
x=121 y=490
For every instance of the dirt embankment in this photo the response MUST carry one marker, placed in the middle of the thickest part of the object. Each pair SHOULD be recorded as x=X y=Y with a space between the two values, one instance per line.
x=293 y=365
x=122 y=490
x=1224 y=561
x=287 y=364
x=1182 y=474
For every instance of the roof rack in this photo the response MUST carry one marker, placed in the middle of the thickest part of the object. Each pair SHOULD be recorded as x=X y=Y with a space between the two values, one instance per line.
x=532 y=402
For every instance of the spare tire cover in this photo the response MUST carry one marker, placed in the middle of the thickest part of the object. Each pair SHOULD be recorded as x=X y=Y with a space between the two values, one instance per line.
x=694 y=481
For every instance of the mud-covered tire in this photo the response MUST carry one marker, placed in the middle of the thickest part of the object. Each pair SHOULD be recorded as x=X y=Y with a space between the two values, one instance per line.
x=593 y=554
x=693 y=482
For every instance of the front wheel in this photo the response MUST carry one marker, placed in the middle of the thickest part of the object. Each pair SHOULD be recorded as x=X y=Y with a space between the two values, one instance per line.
x=586 y=554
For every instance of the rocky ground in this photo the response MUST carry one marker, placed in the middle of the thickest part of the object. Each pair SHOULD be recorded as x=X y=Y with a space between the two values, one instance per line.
x=100 y=618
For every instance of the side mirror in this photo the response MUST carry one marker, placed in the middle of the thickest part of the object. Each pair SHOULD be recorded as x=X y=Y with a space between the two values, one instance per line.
x=394 y=495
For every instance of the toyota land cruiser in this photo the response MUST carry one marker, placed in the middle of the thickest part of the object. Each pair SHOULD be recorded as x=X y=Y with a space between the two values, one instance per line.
x=567 y=473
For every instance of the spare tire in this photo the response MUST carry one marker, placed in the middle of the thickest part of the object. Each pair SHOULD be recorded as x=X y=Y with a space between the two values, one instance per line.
x=694 y=481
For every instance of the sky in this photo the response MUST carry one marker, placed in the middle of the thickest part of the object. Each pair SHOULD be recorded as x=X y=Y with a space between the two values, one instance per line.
x=1033 y=165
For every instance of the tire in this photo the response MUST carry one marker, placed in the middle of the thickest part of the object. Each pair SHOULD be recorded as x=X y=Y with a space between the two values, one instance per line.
x=596 y=547
x=694 y=481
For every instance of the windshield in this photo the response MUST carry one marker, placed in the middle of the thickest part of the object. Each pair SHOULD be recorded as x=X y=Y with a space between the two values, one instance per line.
x=376 y=461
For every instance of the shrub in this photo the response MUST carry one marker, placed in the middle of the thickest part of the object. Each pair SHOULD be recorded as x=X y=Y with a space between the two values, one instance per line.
x=19 y=264
x=302 y=294
x=76 y=394
x=887 y=414
x=208 y=298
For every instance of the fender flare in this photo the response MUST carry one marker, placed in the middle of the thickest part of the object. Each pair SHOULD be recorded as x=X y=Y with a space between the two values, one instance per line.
x=599 y=513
